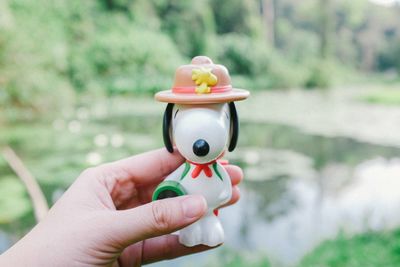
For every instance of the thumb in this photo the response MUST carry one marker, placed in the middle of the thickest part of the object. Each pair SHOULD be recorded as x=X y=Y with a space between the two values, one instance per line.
x=157 y=218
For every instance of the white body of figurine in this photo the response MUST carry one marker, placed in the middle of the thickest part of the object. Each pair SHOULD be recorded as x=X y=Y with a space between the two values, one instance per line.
x=211 y=125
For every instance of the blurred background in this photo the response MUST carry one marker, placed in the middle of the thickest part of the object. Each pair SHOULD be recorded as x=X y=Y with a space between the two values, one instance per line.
x=320 y=135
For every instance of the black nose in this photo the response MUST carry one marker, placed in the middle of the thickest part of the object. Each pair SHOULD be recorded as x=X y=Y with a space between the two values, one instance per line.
x=201 y=148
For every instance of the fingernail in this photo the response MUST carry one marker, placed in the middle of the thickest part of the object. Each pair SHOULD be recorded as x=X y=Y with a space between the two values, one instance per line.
x=193 y=206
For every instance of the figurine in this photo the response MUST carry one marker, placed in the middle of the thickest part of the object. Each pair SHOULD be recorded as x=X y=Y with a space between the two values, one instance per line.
x=201 y=121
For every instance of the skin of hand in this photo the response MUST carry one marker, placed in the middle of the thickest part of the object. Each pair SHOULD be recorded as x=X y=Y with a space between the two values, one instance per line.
x=106 y=218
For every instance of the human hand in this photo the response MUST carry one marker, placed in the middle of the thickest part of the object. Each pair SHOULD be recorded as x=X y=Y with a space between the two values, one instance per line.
x=106 y=218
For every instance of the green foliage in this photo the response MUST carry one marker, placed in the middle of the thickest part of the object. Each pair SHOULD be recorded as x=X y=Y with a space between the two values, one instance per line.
x=320 y=75
x=189 y=23
x=236 y=16
x=30 y=67
x=238 y=54
x=14 y=203
x=365 y=250
x=258 y=65
x=124 y=60
x=389 y=58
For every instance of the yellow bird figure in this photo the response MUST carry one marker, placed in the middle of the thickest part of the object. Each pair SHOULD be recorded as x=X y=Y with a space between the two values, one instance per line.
x=203 y=78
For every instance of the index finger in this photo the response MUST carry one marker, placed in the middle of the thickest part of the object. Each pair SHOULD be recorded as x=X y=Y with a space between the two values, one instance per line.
x=145 y=168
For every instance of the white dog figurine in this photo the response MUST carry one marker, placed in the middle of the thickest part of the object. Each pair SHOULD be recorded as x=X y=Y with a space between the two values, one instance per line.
x=201 y=120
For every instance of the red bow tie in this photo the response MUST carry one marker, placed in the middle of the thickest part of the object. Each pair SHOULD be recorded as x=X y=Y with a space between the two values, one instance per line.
x=202 y=167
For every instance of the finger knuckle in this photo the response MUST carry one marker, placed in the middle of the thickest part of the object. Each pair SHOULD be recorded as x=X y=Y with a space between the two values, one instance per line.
x=168 y=248
x=89 y=172
x=161 y=216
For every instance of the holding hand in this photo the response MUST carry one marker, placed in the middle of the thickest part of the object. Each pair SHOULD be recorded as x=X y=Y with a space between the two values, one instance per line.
x=106 y=218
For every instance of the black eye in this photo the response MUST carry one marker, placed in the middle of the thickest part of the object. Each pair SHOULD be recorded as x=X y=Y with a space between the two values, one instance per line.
x=176 y=112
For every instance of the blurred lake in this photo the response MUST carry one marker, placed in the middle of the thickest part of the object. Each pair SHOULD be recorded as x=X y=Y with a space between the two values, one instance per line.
x=306 y=179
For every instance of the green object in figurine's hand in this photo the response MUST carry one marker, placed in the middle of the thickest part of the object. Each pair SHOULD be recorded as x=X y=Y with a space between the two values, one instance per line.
x=168 y=189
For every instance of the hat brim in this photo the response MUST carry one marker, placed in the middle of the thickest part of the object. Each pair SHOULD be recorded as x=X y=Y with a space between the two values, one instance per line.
x=233 y=95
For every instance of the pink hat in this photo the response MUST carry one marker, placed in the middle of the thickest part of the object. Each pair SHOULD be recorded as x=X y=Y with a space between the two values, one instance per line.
x=202 y=82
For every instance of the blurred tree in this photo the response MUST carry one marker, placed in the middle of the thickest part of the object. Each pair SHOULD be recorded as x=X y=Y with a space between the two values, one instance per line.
x=270 y=14
x=121 y=5
x=326 y=27
x=389 y=58
x=239 y=16
x=190 y=24
x=34 y=55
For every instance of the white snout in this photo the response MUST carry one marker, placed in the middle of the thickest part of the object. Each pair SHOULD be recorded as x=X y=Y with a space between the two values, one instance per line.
x=201 y=132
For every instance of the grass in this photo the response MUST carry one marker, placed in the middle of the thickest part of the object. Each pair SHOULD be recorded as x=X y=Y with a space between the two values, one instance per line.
x=364 y=250
x=383 y=96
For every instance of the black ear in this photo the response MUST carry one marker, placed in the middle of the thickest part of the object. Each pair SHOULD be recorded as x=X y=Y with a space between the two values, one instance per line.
x=166 y=127
x=234 y=126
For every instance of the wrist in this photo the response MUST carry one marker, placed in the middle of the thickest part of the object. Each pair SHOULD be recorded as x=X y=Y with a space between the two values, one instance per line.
x=26 y=252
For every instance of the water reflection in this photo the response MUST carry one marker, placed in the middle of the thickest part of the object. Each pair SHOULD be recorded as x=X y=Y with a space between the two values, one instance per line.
x=284 y=215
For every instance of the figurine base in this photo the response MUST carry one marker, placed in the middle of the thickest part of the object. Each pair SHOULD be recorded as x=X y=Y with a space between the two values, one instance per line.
x=206 y=231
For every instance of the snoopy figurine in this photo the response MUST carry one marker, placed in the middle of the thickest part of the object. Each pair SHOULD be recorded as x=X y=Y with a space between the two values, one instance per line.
x=201 y=121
